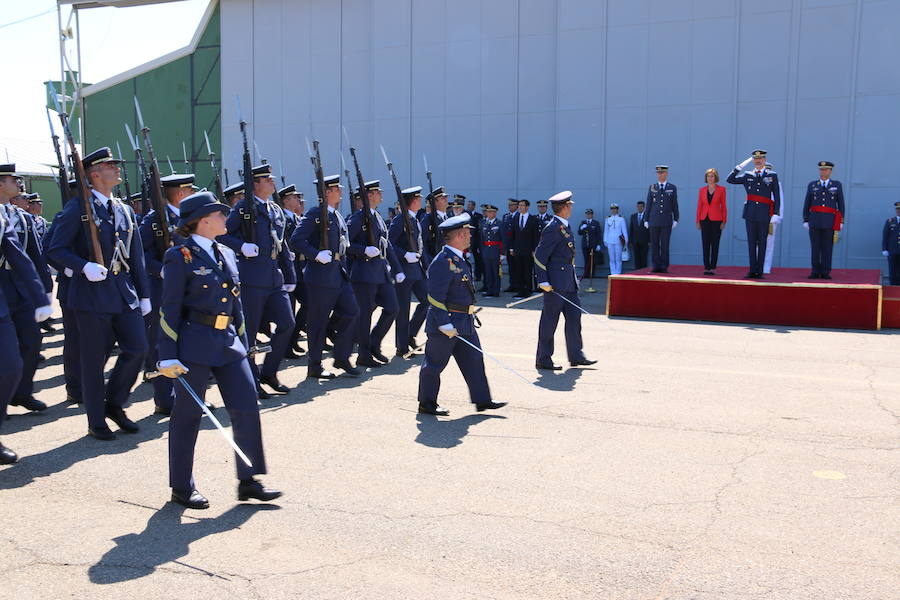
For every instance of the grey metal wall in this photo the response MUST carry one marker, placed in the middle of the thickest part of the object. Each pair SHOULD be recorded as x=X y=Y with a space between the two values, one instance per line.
x=524 y=98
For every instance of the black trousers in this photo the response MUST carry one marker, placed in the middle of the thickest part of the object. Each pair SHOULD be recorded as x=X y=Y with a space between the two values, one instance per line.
x=522 y=273
x=659 y=242
x=640 y=250
x=710 y=234
x=821 y=242
x=894 y=268
x=757 y=232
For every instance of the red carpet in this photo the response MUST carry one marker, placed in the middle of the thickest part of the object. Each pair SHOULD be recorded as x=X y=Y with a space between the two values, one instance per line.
x=851 y=300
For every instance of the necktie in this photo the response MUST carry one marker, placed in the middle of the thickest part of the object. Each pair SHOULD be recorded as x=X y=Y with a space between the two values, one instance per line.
x=217 y=256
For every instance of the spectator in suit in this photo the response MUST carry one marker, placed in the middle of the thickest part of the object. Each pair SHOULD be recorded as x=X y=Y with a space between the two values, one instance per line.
x=712 y=214
x=639 y=237
x=525 y=236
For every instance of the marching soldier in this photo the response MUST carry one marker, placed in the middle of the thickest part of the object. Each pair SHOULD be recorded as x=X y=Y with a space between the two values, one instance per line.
x=451 y=298
x=267 y=273
x=491 y=250
x=662 y=211
x=405 y=329
x=203 y=333
x=176 y=187
x=108 y=302
x=890 y=245
x=36 y=209
x=430 y=222
x=234 y=193
x=327 y=283
x=761 y=208
x=294 y=206
x=591 y=238
x=135 y=202
x=554 y=268
x=823 y=216
x=371 y=278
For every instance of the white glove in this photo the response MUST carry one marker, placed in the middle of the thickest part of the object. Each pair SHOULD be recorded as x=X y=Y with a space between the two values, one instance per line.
x=400 y=278
x=372 y=251
x=411 y=257
x=674 y=224
x=449 y=330
x=289 y=287
x=884 y=252
x=597 y=249
x=583 y=227
x=502 y=258
x=145 y=306
x=249 y=250
x=741 y=166
x=646 y=224
x=775 y=219
x=68 y=272
x=324 y=257
x=805 y=225
x=171 y=368
x=42 y=313
x=49 y=298
x=94 y=272
x=545 y=286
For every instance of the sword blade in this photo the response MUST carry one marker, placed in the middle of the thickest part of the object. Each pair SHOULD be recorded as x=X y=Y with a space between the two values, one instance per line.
x=208 y=147
x=137 y=107
x=215 y=421
x=496 y=360
x=524 y=300
x=576 y=306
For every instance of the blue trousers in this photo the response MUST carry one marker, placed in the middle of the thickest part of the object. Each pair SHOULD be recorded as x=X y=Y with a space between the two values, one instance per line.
x=163 y=392
x=822 y=243
x=553 y=307
x=405 y=327
x=322 y=302
x=96 y=329
x=757 y=234
x=71 y=354
x=10 y=365
x=490 y=256
x=438 y=350
x=273 y=306
x=29 y=336
x=368 y=296
x=894 y=268
x=238 y=389
x=659 y=247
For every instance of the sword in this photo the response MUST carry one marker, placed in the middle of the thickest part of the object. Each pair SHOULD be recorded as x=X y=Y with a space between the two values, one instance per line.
x=575 y=305
x=215 y=421
x=516 y=373
x=524 y=300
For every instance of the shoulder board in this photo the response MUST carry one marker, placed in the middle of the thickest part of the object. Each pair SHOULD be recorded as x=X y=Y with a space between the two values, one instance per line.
x=186 y=253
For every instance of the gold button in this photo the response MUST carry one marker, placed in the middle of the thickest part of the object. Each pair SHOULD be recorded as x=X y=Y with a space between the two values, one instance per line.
x=205 y=286
x=224 y=299
x=224 y=285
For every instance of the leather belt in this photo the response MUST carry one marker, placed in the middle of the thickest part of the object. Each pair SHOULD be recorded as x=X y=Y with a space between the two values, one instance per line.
x=215 y=321
x=468 y=309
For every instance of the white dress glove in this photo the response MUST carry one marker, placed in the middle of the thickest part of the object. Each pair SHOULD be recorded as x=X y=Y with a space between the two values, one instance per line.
x=646 y=224
x=597 y=249
x=411 y=257
x=400 y=278
x=502 y=258
x=49 y=298
x=741 y=166
x=884 y=252
x=94 y=272
x=42 y=313
x=775 y=219
x=583 y=227
x=68 y=272
x=289 y=287
x=449 y=330
x=324 y=257
x=171 y=368
x=545 y=286
x=146 y=307
x=249 y=250
x=805 y=225
x=674 y=224
x=372 y=251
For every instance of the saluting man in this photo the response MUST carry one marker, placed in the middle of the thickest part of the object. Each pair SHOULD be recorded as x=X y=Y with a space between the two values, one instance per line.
x=823 y=216
x=554 y=269
x=761 y=208
x=662 y=218
x=491 y=250
x=409 y=246
x=372 y=275
x=890 y=245
x=108 y=301
x=267 y=272
x=451 y=313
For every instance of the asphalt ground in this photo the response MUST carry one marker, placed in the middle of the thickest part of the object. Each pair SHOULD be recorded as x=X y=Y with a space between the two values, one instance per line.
x=695 y=460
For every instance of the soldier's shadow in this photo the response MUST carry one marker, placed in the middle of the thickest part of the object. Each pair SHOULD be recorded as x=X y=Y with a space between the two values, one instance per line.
x=559 y=381
x=436 y=433
x=165 y=539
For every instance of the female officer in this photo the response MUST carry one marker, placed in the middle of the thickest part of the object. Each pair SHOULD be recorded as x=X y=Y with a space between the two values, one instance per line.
x=202 y=331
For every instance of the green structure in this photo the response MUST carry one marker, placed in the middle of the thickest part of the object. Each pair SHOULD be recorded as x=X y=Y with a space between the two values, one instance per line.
x=180 y=97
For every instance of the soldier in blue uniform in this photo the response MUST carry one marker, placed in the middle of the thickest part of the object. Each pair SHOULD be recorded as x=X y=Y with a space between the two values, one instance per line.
x=890 y=245
x=408 y=248
x=591 y=239
x=491 y=250
x=176 y=187
x=234 y=193
x=202 y=332
x=372 y=276
x=451 y=299
x=543 y=216
x=662 y=218
x=823 y=216
x=430 y=222
x=476 y=217
x=108 y=299
x=294 y=206
x=554 y=269
x=327 y=284
x=760 y=209
x=267 y=273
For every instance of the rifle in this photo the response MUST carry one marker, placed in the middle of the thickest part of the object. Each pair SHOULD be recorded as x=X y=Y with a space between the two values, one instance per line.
x=433 y=206
x=63 y=179
x=217 y=183
x=316 y=160
x=347 y=175
x=249 y=217
x=157 y=198
x=404 y=209
x=171 y=168
x=142 y=171
x=124 y=173
x=226 y=176
x=187 y=163
x=363 y=195
x=90 y=223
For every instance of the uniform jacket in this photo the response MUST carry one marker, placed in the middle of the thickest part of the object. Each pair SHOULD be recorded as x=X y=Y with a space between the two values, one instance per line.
x=890 y=236
x=477 y=218
x=365 y=269
x=543 y=219
x=28 y=286
x=613 y=227
x=400 y=245
x=291 y=222
x=306 y=239
x=554 y=257
x=62 y=280
x=506 y=228
x=717 y=210
x=430 y=234
x=637 y=233
x=273 y=266
x=830 y=196
x=764 y=185
x=491 y=235
x=590 y=233
x=151 y=230
x=450 y=291
x=662 y=205
x=25 y=227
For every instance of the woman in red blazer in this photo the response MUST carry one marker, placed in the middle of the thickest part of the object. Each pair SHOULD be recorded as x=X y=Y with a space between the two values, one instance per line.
x=712 y=214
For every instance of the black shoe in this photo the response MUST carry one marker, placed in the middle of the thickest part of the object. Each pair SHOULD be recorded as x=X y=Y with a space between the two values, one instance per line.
x=438 y=411
x=194 y=500
x=813 y=276
x=163 y=412
x=118 y=416
x=365 y=362
x=31 y=403
x=102 y=433
x=348 y=368
x=262 y=394
x=7 y=456
x=489 y=406
x=508 y=290
x=758 y=276
x=413 y=344
x=824 y=276
x=583 y=362
x=251 y=488
x=317 y=372
x=547 y=367
x=48 y=327
x=750 y=275
x=209 y=405
x=276 y=385
x=72 y=399
x=663 y=270
x=292 y=354
x=42 y=358
x=377 y=355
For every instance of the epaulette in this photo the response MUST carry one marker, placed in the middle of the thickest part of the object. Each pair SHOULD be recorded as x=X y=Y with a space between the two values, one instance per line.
x=186 y=253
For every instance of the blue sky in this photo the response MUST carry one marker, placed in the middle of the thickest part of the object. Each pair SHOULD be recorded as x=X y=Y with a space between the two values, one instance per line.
x=112 y=40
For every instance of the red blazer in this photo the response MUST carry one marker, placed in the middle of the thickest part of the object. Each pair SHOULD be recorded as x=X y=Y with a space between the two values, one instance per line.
x=717 y=210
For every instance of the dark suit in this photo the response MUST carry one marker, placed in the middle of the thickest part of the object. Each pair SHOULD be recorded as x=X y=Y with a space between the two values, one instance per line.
x=639 y=238
x=524 y=241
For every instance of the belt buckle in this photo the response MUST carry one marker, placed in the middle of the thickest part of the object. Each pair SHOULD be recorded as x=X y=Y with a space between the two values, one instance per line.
x=472 y=309
x=221 y=322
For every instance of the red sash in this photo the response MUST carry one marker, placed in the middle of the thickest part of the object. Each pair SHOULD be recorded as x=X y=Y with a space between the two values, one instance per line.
x=762 y=200
x=838 y=217
x=493 y=244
